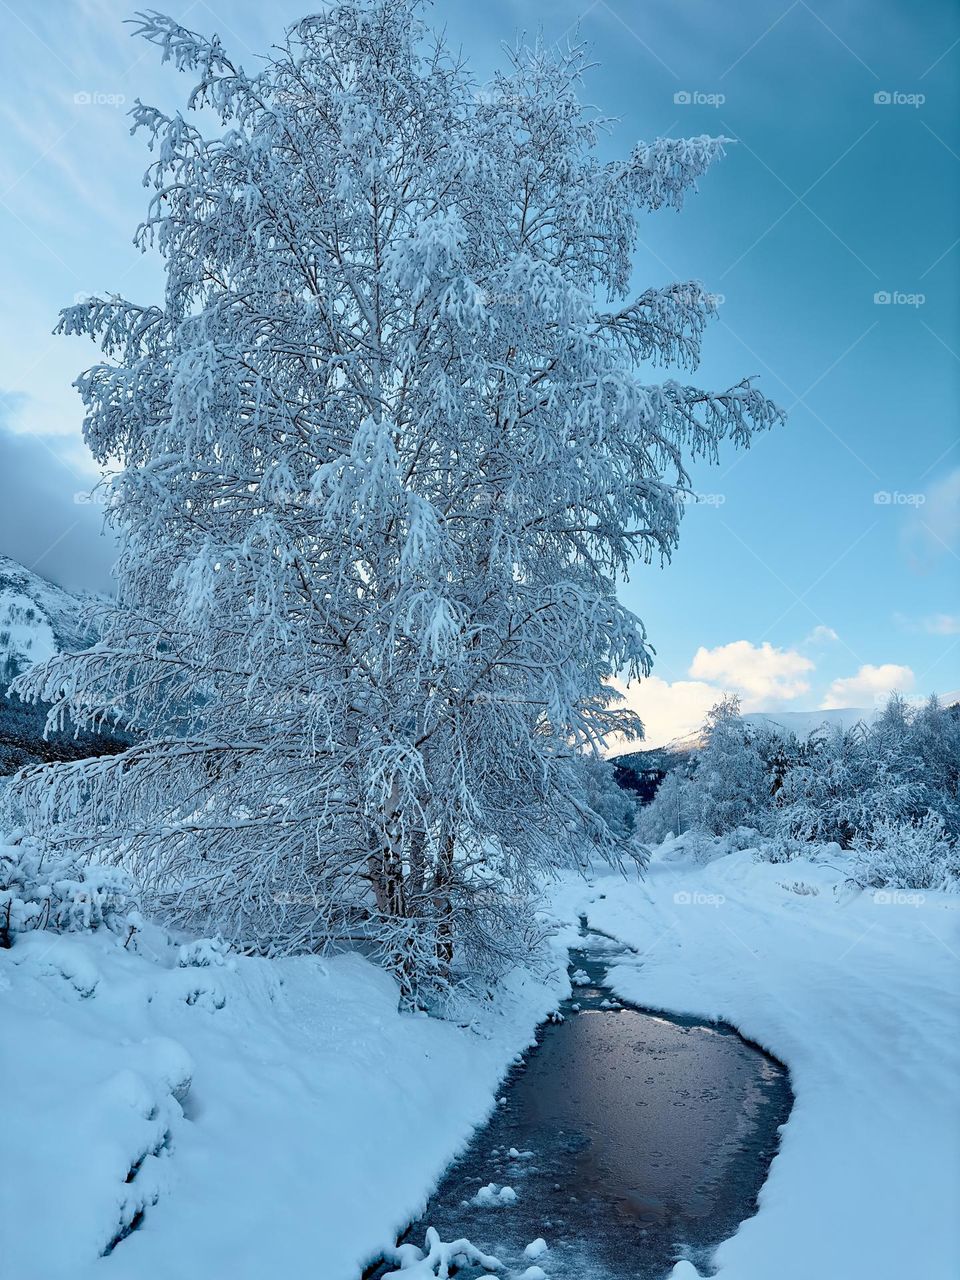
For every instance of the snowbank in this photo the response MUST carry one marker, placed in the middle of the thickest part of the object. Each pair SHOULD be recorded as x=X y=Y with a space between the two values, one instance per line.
x=266 y=1118
x=858 y=994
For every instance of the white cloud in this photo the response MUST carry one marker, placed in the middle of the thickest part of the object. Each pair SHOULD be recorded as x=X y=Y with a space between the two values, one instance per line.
x=821 y=635
x=869 y=686
x=668 y=710
x=761 y=675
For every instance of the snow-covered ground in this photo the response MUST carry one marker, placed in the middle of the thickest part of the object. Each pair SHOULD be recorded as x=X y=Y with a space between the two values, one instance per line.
x=859 y=994
x=315 y=1123
x=287 y=1120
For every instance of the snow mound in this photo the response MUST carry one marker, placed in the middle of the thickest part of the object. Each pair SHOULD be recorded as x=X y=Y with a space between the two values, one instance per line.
x=437 y=1258
x=493 y=1196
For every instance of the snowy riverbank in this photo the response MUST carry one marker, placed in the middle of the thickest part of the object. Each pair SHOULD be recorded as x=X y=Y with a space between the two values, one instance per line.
x=316 y=1121
x=858 y=994
x=287 y=1120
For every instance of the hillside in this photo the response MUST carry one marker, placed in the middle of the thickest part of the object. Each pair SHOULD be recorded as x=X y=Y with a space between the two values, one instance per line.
x=37 y=620
x=642 y=771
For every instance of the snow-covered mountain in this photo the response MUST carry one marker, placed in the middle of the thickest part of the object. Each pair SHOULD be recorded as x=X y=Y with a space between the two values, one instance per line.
x=803 y=723
x=37 y=618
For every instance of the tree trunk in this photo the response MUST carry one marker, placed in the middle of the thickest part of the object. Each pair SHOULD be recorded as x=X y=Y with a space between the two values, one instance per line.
x=443 y=878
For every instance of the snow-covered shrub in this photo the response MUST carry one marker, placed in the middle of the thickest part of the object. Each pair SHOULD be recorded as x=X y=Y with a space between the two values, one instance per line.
x=41 y=891
x=742 y=838
x=197 y=987
x=800 y=887
x=205 y=953
x=701 y=846
x=780 y=847
x=910 y=853
x=825 y=795
x=934 y=741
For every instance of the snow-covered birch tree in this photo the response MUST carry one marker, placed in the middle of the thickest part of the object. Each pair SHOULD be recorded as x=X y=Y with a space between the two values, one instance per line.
x=379 y=458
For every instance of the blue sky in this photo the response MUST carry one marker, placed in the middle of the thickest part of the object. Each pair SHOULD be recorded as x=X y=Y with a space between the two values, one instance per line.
x=793 y=584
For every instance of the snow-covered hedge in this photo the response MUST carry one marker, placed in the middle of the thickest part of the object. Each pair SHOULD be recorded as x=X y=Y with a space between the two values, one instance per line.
x=41 y=891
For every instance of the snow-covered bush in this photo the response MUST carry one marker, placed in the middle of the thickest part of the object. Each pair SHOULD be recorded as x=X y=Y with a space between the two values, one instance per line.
x=824 y=795
x=41 y=891
x=908 y=853
x=934 y=742
x=205 y=953
x=781 y=847
x=700 y=846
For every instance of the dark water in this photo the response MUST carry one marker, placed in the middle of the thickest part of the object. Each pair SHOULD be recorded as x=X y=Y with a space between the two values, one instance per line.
x=631 y=1140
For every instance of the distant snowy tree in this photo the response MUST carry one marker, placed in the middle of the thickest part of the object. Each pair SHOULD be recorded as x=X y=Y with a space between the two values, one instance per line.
x=673 y=810
x=726 y=785
x=381 y=454
x=732 y=784
x=846 y=783
x=893 y=786
x=934 y=743
x=884 y=792
x=823 y=796
x=616 y=808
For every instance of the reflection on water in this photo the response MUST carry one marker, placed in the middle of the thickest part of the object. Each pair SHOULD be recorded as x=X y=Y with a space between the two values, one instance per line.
x=630 y=1139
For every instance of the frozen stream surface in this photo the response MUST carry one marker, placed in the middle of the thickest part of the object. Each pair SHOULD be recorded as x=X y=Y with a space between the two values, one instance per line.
x=630 y=1140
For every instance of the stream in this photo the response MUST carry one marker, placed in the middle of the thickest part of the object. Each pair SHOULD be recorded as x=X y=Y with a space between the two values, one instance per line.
x=628 y=1140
